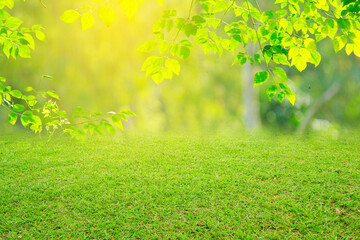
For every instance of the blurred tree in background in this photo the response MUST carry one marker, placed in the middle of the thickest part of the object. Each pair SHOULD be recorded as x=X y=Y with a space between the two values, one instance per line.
x=330 y=93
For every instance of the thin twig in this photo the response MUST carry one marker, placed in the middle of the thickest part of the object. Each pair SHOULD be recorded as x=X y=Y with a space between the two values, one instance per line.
x=42 y=3
x=227 y=10
x=257 y=36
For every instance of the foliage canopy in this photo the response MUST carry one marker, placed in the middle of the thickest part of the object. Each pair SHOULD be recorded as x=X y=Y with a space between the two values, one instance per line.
x=285 y=37
x=37 y=109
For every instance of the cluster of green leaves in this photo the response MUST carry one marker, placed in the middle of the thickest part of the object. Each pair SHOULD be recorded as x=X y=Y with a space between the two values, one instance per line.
x=25 y=106
x=38 y=110
x=14 y=39
x=351 y=7
x=102 y=8
x=97 y=122
x=286 y=37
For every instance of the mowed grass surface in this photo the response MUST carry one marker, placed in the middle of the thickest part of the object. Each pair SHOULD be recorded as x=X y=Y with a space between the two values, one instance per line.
x=180 y=187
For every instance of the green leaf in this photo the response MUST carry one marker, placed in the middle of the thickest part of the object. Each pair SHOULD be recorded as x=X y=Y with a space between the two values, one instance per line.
x=35 y=119
x=117 y=121
x=87 y=21
x=271 y=91
x=340 y=42
x=241 y=58
x=70 y=16
x=148 y=46
x=286 y=89
x=75 y=132
x=4 y=15
x=53 y=94
x=18 y=108
x=260 y=78
x=281 y=96
x=48 y=77
x=129 y=7
x=180 y=23
x=159 y=25
x=23 y=41
x=280 y=73
x=158 y=77
x=152 y=65
x=37 y=27
x=166 y=73
x=24 y=51
x=315 y=57
x=292 y=98
x=344 y=24
x=40 y=35
x=122 y=116
x=251 y=60
x=28 y=89
x=190 y=29
x=13 y=118
x=129 y=113
x=169 y=13
x=300 y=63
x=349 y=48
x=173 y=65
x=16 y=93
x=13 y=23
x=7 y=3
x=163 y=46
x=107 y=15
x=30 y=40
x=99 y=130
x=110 y=129
x=183 y=52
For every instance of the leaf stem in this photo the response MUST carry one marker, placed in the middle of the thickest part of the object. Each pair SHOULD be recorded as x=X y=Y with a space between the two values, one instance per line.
x=257 y=36
x=227 y=10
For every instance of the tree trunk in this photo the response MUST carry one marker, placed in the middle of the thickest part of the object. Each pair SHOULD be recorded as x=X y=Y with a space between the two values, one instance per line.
x=311 y=113
x=250 y=94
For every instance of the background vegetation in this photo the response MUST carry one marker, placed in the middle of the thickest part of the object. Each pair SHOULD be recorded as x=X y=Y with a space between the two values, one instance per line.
x=99 y=69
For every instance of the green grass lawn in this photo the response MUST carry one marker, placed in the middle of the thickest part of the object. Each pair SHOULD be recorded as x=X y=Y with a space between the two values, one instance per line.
x=180 y=187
